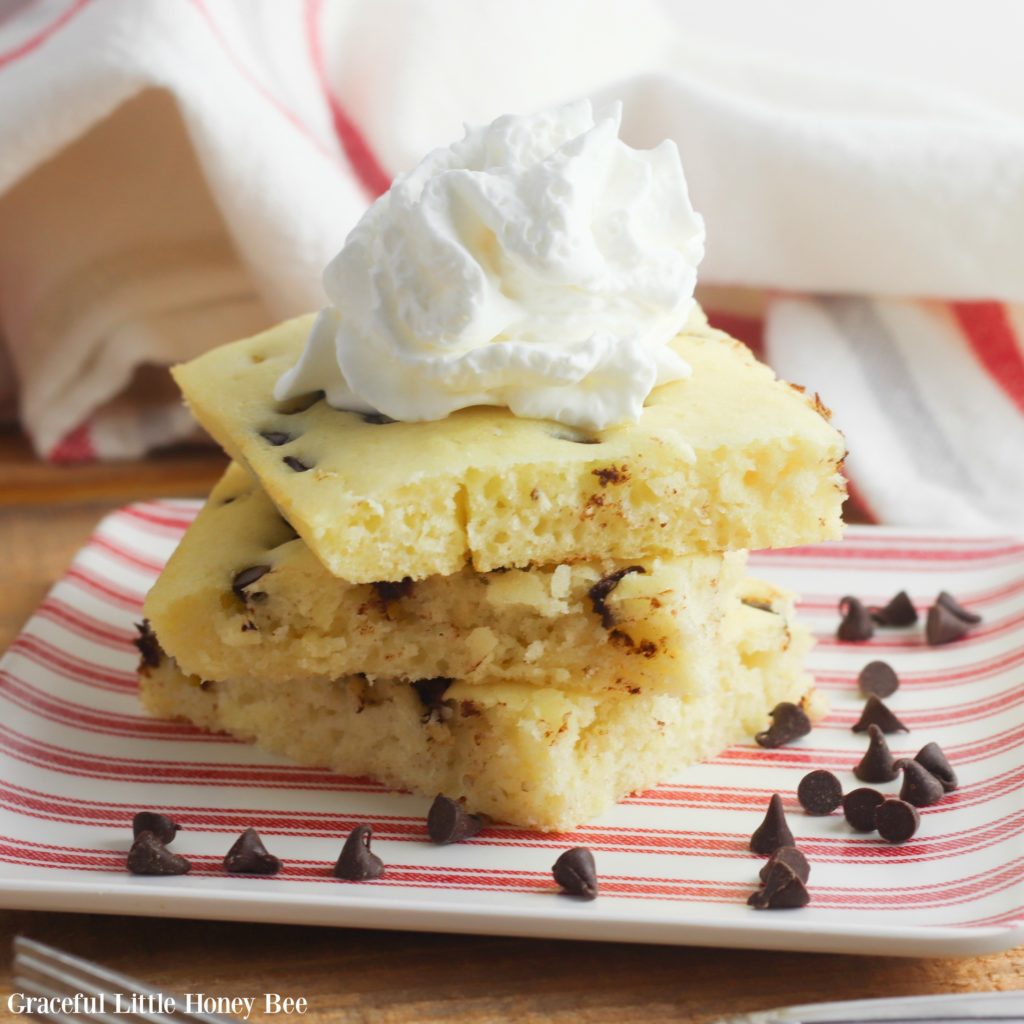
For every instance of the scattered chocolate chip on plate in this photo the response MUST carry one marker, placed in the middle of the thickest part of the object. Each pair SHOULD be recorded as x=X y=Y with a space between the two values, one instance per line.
x=877 y=764
x=781 y=889
x=920 y=787
x=149 y=856
x=774 y=831
x=877 y=713
x=449 y=822
x=896 y=820
x=878 y=679
x=950 y=603
x=857 y=624
x=819 y=792
x=576 y=873
x=248 y=856
x=789 y=722
x=859 y=808
x=900 y=611
x=934 y=759
x=357 y=862
x=793 y=858
x=164 y=828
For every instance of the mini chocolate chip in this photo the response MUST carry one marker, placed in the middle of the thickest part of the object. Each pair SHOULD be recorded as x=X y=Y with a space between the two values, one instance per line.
x=357 y=863
x=761 y=606
x=859 y=808
x=296 y=464
x=920 y=787
x=248 y=856
x=275 y=437
x=878 y=678
x=164 y=828
x=431 y=691
x=391 y=591
x=246 y=577
x=789 y=722
x=876 y=713
x=611 y=475
x=857 y=624
x=781 y=889
x=147 y=644
x=933 y=758
x=943 y=626
x=896 y=820
x=793 y=858
x=576 y=873
x=877 y=764
x=599 y=592
x=900 y=611
x=949 y=602
x=376 y=419
x=819 y=792
x=448 y=822
x=149 y=856
x=774 y=831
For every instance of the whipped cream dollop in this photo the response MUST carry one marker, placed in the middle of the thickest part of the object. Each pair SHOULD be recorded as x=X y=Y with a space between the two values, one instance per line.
x=539 y=263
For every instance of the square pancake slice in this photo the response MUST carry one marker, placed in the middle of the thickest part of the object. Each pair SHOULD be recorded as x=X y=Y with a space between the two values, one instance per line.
x=242 y=596
x=730 y=458
x=539 y=757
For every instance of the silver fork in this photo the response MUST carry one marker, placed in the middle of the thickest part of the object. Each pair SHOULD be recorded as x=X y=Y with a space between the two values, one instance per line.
x=91 y=992
x=966 y=1008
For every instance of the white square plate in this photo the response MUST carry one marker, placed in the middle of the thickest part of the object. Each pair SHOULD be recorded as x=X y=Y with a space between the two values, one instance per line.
x=79 y=758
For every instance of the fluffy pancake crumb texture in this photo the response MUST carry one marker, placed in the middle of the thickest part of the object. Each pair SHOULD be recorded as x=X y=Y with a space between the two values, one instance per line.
x=543 y=758
x=616 y=625
x=730 y=458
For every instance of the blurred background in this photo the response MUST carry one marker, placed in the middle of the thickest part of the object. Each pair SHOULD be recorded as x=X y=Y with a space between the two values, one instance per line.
x=175 y=174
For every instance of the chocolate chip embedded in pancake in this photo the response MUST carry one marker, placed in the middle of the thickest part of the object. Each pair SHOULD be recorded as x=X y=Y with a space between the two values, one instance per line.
x=603 y=587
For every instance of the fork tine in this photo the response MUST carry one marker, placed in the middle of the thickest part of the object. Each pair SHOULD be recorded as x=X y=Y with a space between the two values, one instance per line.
x=44 y=965
x=29 y=979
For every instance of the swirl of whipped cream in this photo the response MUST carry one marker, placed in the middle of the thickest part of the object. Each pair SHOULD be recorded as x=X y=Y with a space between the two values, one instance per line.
x=539 y=263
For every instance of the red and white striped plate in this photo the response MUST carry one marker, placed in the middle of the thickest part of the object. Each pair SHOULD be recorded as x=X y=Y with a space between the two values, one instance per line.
x=79 y=758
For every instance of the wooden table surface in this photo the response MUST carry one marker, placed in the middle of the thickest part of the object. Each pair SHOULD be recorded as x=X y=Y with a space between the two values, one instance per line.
x=356 y=975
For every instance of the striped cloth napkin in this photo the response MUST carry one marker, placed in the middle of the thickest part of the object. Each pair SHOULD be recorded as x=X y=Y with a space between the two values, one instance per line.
x=175 y=175
x=932 y=440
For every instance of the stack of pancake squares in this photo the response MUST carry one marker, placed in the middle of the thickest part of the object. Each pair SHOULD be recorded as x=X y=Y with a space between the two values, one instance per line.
x=528 y=618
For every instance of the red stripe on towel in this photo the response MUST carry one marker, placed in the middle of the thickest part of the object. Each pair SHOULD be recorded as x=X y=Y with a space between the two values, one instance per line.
x=37 y=40
x=75 y=446
x=372 y=176
x=748 y=329
x=993 y=340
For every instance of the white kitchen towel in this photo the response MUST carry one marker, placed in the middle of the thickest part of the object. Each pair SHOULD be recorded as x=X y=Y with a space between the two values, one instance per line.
x=176 y=172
